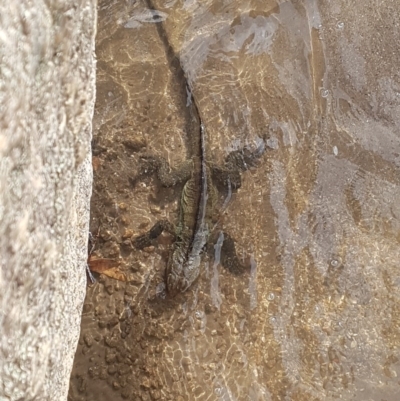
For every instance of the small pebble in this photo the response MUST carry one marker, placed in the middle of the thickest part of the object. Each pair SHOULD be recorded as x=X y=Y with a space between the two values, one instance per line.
x=155 y=209
x=127 y=234
x=149 y=249
x=110 y=289
x=144 y=224
x=88 y=339
x=123 y=206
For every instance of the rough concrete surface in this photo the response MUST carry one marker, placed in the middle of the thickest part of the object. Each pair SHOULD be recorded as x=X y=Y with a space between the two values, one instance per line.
x=47 y=87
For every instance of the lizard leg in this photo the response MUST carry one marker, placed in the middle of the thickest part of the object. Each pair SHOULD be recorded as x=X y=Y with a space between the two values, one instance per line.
x=146 y=239
x=227 y=255
x=168 y=176
x=226 y=179
x=245 y=158
x=236 y=162
x=229 y=258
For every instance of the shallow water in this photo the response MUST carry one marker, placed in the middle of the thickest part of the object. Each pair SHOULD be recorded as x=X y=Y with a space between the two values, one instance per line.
x=317 y=315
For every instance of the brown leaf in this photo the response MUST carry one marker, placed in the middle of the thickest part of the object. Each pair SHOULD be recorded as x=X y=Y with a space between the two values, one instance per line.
x=116 y=274
x=108 y=267
x=96 y=163
x=99 y=265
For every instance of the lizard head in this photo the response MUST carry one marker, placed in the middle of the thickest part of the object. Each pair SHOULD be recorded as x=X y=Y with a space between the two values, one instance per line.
x=181 y=273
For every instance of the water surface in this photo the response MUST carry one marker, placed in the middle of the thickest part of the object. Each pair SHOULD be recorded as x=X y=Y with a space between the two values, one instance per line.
x=317 y=316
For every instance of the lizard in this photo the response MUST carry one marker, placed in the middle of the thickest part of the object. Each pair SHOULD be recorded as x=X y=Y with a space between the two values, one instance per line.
x=202 y=182
x=197 y=215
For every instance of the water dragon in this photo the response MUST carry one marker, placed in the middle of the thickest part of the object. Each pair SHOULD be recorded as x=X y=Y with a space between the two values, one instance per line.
x=203 y=180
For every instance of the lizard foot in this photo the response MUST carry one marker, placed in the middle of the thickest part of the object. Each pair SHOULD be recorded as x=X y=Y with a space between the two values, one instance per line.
x=236 y=162
x=169 y=177
x=227 y=255
x=146 y=239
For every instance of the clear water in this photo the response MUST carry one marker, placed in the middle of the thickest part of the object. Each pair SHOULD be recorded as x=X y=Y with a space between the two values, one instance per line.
x=317 y=317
